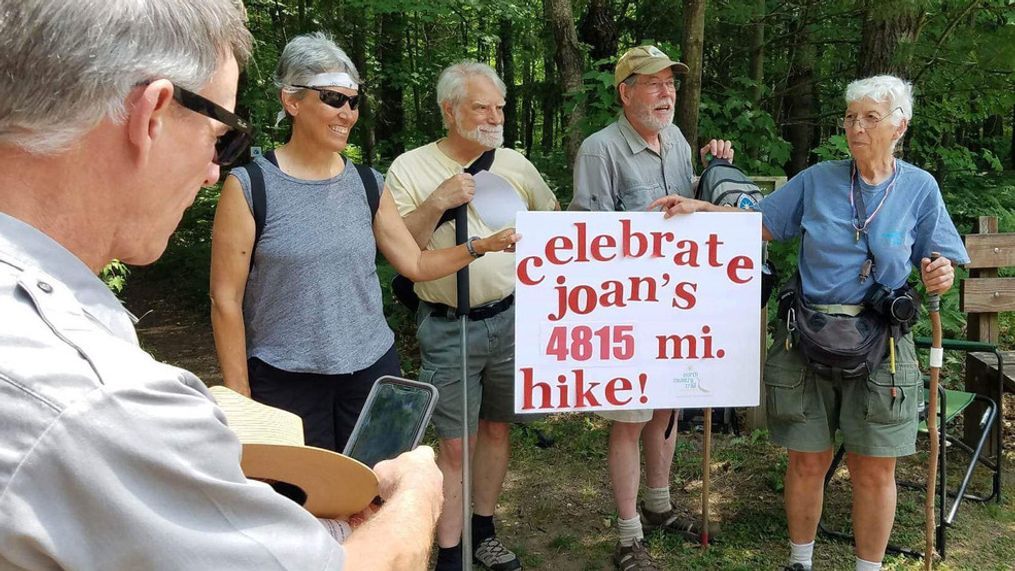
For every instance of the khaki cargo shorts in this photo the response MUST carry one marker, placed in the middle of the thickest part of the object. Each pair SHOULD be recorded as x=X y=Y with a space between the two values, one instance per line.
x=806 y=408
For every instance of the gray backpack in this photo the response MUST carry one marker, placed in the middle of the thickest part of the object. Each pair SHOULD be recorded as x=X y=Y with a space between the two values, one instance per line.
x=723 y=184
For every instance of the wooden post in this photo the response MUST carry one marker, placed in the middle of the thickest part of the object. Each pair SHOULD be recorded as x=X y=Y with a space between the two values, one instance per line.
x=981 y=327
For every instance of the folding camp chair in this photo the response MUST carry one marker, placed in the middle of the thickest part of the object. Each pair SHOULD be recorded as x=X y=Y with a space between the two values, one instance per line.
x=951 y=404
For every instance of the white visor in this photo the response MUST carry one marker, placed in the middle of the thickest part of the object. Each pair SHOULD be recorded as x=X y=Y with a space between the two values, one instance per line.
x=340 y=79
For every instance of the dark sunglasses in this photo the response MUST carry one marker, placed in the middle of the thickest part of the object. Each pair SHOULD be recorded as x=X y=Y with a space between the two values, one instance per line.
x=231 y=144
x=334 y=98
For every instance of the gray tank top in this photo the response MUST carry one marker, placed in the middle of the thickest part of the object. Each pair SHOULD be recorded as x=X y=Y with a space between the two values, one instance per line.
x=313 y=299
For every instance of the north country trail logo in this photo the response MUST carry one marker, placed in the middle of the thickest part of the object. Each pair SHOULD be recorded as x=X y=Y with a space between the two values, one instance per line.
x=689 y=380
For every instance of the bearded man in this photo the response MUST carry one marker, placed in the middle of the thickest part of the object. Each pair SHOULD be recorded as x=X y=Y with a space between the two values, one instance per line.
x=637 y=159
x=426 y=182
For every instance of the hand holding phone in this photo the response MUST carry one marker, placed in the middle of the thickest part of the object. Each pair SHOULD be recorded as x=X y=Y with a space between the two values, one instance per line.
x=393 y=420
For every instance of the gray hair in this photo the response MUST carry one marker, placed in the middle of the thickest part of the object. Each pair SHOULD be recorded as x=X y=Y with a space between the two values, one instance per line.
x=308 y=55
x=65 y=66
x=888 y=88
x=451 y=85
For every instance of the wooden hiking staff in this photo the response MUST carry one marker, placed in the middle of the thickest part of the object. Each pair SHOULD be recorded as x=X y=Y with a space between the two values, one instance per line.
x=936 y=358
x=706 y=468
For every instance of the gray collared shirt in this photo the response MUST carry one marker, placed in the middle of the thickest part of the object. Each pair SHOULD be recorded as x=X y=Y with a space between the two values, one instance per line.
x=616 y=170
x=109 y=459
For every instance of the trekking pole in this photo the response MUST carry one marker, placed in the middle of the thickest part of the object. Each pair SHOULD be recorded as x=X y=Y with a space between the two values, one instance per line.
x=936 y=358
x=462 y=282
x=706 y=469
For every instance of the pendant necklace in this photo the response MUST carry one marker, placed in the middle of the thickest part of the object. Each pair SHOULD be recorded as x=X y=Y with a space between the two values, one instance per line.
x=856 y=196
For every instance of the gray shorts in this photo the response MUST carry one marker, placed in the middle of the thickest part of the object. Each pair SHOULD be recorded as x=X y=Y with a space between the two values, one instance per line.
x=491 y=371
x=805 y=408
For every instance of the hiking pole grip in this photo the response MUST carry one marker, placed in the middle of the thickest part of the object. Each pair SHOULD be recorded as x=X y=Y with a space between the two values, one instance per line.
x=706 y=469
x=936 y=354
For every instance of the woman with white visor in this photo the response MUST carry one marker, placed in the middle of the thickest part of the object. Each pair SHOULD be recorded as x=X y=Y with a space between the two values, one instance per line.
x=297 y=311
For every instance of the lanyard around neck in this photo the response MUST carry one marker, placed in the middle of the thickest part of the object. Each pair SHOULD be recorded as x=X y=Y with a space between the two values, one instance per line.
x=856 y=198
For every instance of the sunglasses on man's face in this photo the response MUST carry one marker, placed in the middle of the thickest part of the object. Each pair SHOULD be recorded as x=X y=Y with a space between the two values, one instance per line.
x=334 y=98
x=231 y=144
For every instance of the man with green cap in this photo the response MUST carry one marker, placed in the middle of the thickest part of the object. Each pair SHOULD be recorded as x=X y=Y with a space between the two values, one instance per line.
x=639 y=158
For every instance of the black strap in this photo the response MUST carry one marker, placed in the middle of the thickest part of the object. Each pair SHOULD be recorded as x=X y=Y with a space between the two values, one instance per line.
x=259 y=201
x=366 y=174
x=483 y=163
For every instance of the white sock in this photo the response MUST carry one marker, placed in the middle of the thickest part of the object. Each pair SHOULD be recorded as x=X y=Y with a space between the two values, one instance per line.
x=801 y=553
x=864 y=565
x=629 y=530
x=657 y=500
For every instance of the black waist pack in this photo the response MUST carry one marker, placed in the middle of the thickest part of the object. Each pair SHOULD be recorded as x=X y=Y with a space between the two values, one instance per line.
x=852 y=347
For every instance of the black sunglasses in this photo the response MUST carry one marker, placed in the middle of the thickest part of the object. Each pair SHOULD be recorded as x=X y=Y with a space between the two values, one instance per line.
x=231 y=144
x=334 y=98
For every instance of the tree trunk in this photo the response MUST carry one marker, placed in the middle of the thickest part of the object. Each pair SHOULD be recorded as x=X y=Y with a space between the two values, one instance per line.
x=506 y=63
x=550 y=95
x=758 y=52
x=798 y=128
x=390 y=50
x=598 y=29
x=1011 y=156
x=568 y=57
x=691 y=50
x=528 y=113
x=358 y=21
x=890 y=28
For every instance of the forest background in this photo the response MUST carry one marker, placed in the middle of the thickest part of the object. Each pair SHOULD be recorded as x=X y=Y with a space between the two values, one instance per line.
x=768 y=75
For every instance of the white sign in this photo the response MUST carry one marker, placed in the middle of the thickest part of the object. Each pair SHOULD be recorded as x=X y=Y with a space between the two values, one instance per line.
x=633 y=311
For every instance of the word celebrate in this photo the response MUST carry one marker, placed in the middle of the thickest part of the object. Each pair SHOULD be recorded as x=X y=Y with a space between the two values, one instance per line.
x=632 y=311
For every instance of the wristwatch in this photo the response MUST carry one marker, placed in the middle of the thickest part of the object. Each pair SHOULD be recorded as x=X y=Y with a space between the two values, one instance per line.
x=472 y=248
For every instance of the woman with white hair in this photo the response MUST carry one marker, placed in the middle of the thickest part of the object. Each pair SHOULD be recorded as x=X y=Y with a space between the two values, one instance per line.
x=863 y=224
x=296 y=310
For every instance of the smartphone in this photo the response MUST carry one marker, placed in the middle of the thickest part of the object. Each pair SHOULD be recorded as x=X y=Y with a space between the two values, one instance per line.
x=393 y=420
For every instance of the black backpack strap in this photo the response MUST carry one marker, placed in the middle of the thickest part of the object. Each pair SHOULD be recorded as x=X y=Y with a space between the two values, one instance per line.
x=271 y=158
x=258 y=203
x=483 y=163
x=366 y=174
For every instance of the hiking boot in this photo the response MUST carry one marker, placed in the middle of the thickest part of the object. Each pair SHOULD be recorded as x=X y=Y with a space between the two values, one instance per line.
x=672 y=522
x=634 y=557
x=492 y=554
x=796 y=567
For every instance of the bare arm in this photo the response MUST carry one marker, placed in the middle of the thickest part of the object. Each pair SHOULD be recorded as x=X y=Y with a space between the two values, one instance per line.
x=453 y=192
x=399 y=536
x=675 y=204
x=232 y=242
x=398 y=246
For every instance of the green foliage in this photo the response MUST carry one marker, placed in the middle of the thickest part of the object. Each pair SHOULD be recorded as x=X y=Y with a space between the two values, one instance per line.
x=730 y=114
x=115 y=275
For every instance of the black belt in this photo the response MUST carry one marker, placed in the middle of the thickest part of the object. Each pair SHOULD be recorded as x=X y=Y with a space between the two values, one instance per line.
x=477 y=314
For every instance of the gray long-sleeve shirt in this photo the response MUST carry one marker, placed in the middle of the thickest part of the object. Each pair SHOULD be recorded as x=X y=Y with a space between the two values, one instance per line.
x=616 y=170
x=109 y=459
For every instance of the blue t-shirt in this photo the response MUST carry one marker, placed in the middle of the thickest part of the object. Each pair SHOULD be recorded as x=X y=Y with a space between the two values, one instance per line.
x=912 y=223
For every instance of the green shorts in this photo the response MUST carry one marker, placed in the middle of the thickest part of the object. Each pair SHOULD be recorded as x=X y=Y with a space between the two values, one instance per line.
x=491 y=369
x=806 y=408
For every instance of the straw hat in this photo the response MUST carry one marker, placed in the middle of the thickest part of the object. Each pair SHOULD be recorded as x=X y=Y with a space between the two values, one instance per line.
x=335 y=486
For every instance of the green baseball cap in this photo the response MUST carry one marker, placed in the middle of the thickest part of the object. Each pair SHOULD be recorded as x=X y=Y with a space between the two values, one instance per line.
x=644 y=60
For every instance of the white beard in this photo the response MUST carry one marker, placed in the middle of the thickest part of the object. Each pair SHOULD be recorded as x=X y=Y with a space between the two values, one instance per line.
x=489 y=137
x=646 y=117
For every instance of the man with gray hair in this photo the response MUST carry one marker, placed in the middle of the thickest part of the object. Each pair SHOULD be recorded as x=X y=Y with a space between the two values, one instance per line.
x=637 y=159
x=426 y=182
x=112 y=114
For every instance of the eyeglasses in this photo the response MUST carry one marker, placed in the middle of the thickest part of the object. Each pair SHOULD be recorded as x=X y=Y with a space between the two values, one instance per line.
x=334 y=98
x=231 y=144
x=866 y=123
x=655 y=86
